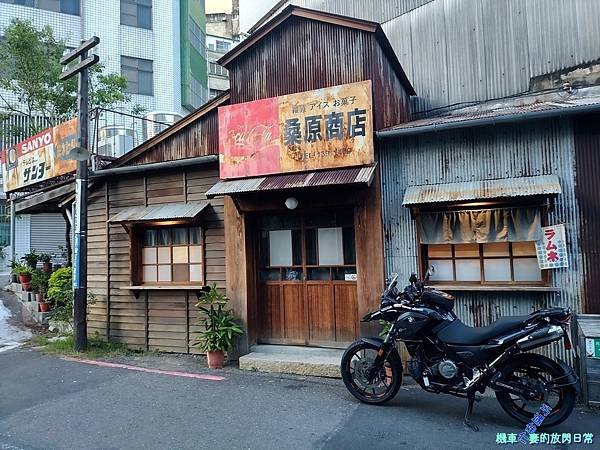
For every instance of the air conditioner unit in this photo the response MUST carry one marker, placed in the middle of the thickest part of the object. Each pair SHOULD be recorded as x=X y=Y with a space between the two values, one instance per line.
x=156 y=121
x=114 y=141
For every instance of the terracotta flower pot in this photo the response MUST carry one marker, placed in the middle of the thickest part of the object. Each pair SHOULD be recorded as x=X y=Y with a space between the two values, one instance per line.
x=23 y=279
x=44 y=307
x=215 y=359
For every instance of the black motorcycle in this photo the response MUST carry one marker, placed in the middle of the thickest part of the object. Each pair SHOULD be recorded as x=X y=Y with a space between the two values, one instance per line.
x=450 y=357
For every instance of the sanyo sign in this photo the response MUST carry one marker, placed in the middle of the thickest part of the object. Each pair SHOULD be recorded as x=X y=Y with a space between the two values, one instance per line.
x=41 y=140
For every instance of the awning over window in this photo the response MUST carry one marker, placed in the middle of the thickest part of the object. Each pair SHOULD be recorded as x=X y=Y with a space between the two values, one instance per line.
x=155 y=213
x=335 y=177
x=481 y=190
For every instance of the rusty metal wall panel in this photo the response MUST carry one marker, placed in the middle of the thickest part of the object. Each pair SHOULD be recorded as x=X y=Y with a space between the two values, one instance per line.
x=537 y=148
x=562 y=34
x=379 y=11
x=587 y=147
x=471 y=50
x=303 y=55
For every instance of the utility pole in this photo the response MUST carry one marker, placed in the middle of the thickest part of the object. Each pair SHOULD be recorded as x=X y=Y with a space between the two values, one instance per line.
x=81 y=154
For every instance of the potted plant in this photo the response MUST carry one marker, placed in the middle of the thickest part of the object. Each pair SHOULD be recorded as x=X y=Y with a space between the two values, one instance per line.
x=25 y=277
x=60 y=299
x=219 y=327
x=14 y=271
x=31 y=258
x=47 y=263
x=39 y=284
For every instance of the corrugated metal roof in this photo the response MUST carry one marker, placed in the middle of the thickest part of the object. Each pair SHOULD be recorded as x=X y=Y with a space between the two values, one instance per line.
x=479 y=190
x=334 y=177
x=469 y=114
x=172 y=211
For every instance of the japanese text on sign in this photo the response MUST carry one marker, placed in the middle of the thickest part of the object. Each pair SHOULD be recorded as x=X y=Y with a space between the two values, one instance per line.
x=41 y=157
x=325 y=128
x=552 y=248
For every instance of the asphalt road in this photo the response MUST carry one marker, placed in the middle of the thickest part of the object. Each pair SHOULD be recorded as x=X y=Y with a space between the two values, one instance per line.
x=50 y=403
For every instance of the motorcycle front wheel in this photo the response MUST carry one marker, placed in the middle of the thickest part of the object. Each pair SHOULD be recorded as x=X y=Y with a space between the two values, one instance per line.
x=368 y=386
x=541 y=374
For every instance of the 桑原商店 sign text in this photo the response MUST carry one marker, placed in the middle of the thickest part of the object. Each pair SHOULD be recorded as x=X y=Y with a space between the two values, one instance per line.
x=324 y=128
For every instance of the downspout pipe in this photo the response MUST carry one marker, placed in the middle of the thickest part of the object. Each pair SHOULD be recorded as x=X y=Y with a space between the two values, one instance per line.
x=485 y=121
x=154 y=166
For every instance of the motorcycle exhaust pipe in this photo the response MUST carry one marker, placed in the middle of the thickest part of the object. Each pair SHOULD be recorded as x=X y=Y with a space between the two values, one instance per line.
x=541 y=337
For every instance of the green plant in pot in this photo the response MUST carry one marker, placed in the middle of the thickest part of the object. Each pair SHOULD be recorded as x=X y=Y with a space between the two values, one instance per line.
x=31 y=258
x=25 y=277
x=60 y=294
x=47 y=262
x=219 y=327
x=39 y=285
x=15 y=267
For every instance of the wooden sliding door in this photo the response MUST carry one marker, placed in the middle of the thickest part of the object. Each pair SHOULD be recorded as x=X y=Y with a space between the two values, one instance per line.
x=307 y=279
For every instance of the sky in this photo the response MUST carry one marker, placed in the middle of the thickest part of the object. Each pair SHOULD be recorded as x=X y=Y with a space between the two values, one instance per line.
x=252 y=10
x=217 y=6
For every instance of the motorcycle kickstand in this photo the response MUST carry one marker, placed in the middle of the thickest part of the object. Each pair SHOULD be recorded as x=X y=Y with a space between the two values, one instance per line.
x=467 y=421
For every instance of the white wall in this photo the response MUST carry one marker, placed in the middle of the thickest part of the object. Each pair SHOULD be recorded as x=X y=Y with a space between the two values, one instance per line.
x=102 y=18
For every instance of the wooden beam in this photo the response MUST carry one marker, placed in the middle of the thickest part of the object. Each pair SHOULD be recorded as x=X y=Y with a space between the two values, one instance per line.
x=236 y=266
x=82 y=48
x=87 y=62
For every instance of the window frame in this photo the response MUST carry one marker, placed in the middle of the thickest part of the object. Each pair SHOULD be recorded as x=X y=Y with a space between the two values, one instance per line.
x=58 y=6
x=482 y=258
x=137 y=251
x=216 y=69
x=543 y=203
x=135 y=18
x=302 y=226
x=197 y=37
x=129 y=67
x=224 y=47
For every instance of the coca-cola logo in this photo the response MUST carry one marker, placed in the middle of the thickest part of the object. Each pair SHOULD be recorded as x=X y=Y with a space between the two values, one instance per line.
x=257 y=135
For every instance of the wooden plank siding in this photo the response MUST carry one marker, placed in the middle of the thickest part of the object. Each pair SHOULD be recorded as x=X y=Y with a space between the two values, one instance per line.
x=155 y=320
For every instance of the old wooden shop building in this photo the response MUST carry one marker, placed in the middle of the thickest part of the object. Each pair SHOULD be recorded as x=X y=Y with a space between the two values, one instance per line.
x=310 y=180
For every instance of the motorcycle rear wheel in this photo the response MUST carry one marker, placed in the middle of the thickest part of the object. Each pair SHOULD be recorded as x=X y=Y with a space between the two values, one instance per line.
x=536 y=370
x=357 y=361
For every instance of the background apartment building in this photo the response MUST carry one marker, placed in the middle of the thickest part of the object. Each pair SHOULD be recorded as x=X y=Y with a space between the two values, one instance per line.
x=222 y=34
x=158 y=45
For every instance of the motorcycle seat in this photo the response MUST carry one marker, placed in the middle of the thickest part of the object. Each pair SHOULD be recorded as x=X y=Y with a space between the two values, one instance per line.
x=459 y=333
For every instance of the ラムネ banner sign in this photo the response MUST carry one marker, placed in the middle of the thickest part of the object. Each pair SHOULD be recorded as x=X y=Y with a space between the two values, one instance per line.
x=41 y=157
x=325 y=128
x=552 y=248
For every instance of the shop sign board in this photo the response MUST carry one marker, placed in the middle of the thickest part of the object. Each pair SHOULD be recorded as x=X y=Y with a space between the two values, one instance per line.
x=41 y=157
x=320 y=129
x=552 y=248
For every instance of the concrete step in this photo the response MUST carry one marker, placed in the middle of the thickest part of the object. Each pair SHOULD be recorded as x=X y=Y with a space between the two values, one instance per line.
x=27 y=296
x=319 y=362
